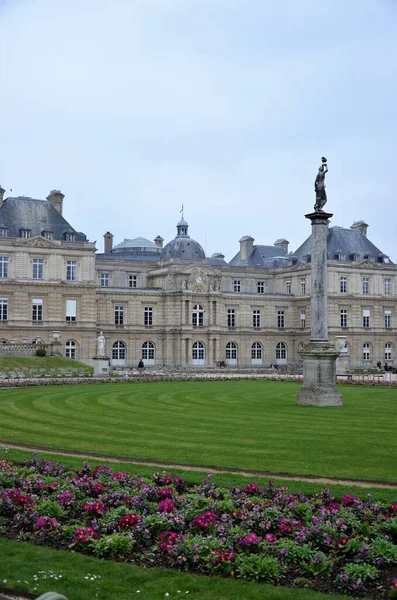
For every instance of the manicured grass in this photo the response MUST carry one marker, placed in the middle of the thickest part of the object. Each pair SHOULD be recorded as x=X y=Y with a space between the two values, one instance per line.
x=16 y=363
x=229 y=480
x=21 y=562
x=237 y=424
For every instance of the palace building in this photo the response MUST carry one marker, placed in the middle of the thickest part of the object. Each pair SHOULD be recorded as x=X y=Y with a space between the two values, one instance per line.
x=171 y=305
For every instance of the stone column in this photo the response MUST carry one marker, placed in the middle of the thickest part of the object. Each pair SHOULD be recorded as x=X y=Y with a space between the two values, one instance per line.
x=319 y=355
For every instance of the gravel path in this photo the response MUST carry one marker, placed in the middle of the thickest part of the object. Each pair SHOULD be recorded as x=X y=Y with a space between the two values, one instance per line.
x=203 y=468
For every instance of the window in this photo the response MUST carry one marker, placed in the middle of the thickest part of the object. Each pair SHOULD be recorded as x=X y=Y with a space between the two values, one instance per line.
x=132 y=281
x=48 y=235
x=3 y=309
x=119 y=315
x=343 y=317
x=365 y=281
x=237 y=285
x=387 y=319
x=387 y=286
x=25 y=233
x=148 y=349
x=231 y=317
x=288 y=287
x=37 y=309
x=70 y=237
x=198 y=351
x=71 y=307
x=256 y=318
x=303 y=287
x=388 y=348
x=303 y=319
x=71 y=270
x=118 y=351
x=198 y=316
x=260 y=287
x=104 y=279
x=281 y=319
x=148 y=316
x=3 y=232
x=366 y=318
x=281 y=351
x=38 y=268
x=343 y=285
x=256 y=351
x=70 y=349
x=3 y=266
x=366 y=351
x=231 y=351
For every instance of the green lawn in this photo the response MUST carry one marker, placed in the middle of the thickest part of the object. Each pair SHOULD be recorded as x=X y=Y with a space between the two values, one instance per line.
x=20 y=363
x=236 y=424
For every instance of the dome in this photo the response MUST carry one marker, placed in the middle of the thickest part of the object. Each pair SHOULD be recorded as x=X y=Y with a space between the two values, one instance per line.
x=182 y=247
x=139 y=245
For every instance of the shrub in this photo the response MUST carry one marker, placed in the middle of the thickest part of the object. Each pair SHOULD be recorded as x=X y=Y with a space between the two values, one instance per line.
x=41 y=352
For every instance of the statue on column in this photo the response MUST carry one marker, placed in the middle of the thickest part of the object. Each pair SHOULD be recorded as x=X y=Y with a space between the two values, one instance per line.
x=319 y=186
x=100 y=345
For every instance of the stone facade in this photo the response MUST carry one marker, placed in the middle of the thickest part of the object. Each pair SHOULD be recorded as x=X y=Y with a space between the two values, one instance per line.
x=178 y=311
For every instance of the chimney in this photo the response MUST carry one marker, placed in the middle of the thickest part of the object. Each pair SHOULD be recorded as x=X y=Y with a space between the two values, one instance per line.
x=360 y=226
x=55 y=198
x=246 y=245
x=159 y=241
x=2 y=191
x=283 y=244
x=108 y=242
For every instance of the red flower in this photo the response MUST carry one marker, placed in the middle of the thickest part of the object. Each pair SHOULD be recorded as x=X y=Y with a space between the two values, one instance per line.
x=128 y=520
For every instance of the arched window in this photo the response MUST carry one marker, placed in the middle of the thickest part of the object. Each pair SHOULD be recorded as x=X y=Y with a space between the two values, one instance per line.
x=198 y=316
x=281 y=351
x=70 y=349
x=388 y=351
x=3 y=341
x=148 y=351
x=198 y=353
x=231 y=353
x=256 y=351
x=118 y=351
x=366 y=351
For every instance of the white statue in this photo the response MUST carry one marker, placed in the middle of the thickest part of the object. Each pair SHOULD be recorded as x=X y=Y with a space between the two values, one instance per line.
x=100 y=345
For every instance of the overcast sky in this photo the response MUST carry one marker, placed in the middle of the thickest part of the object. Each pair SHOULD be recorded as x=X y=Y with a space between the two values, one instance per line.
x=133 y=107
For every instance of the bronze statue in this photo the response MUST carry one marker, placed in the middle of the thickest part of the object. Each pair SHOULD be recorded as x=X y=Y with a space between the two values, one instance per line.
x=319 y=186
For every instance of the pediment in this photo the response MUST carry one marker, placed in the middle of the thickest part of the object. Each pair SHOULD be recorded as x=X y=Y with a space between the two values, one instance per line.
x=39 y=242
x=200 y=279
x=369 y=264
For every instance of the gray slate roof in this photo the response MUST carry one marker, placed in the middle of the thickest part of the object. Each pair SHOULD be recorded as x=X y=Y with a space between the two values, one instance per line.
x=36 y=215
x=262 y=256
x=138 y=245
x=344 y=242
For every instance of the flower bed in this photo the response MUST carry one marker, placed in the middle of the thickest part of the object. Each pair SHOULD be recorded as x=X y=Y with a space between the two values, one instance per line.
x=261 y=534
x=148 y=378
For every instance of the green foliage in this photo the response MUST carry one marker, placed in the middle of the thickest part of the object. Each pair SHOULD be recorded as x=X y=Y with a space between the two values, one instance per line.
x=353 y=574
x=390 y=528
x=41 y=352
x=112 y=546
x=383 y=549
x=50 y=508
x=296 y=554
x=257 y=567
x=317 y=565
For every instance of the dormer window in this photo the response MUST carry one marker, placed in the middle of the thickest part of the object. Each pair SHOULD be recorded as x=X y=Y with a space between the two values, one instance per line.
x=48 y=235
x=307 y=258
x=3 y=231
x=25 y=233
x=70 y=236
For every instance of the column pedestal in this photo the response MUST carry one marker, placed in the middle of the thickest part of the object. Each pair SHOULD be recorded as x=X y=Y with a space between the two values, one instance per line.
x=319 y=376
x=101 y=366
